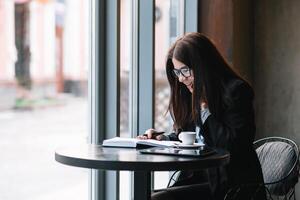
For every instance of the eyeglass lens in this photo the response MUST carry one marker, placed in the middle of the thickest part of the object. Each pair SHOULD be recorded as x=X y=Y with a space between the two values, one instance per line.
x=185 y=71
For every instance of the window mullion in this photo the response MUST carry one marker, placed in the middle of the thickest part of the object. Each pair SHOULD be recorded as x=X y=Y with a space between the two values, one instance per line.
x=96 y=92
x=191 y=16
x=104 y=90
x=146 y=32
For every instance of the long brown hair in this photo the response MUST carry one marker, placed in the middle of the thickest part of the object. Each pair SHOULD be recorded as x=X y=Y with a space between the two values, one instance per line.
x=211 y=73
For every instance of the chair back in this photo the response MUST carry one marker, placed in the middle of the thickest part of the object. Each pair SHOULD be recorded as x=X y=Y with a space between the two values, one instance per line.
x=279 y=159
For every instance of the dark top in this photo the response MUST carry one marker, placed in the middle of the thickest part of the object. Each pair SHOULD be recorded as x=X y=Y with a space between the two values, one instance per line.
x=235 y=132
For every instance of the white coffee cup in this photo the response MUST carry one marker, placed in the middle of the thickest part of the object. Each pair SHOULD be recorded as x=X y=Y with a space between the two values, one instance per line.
x=187 y=138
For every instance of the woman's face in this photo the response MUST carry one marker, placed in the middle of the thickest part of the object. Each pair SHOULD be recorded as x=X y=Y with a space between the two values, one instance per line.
x=184 y=74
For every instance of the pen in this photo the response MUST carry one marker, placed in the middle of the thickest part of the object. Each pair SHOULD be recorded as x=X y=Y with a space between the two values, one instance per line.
x=154 y=134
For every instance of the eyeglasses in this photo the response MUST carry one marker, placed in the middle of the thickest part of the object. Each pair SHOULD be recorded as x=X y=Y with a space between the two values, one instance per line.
x=185 y=71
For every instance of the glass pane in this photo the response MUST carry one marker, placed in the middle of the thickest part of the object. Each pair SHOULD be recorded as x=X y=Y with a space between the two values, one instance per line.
x=125 y=65
x=125 y=84
x=43 y=88
x=168 y=26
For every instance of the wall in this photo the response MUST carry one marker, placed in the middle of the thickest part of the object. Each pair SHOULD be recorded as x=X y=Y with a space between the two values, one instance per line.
x=277 y=69
x=266 y=50
x=243 y=29
x=230 y=25
x=215 y=21
x=265 y=44
x=7 y=41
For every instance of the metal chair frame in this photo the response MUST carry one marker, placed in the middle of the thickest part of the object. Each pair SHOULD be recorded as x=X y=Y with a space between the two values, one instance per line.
x=291 y=192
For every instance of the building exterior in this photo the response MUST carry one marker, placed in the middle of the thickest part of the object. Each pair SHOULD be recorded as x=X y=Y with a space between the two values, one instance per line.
x=58 y=48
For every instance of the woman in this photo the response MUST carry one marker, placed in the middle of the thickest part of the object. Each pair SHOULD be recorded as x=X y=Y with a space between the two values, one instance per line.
x=209 y=97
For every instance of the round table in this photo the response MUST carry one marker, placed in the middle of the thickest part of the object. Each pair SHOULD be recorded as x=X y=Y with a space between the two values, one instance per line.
x=130 y=159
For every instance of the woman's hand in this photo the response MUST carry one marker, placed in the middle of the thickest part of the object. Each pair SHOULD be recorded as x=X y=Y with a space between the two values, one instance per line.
x=151 y=134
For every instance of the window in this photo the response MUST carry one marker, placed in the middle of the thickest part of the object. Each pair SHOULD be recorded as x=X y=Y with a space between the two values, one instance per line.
x=45 y=59
x=168 y=26
x=126 y=87
x=128 y=70
x=109 y=75
x=43 y=88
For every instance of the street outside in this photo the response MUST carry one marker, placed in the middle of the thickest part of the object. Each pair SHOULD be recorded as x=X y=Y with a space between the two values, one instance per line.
x=28 y=140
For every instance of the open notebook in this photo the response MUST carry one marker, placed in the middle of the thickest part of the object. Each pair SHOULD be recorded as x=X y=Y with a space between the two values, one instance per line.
x=137 y=143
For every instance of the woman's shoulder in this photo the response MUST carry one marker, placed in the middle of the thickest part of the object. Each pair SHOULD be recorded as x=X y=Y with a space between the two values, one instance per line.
x=237 y=85
x=237 y=89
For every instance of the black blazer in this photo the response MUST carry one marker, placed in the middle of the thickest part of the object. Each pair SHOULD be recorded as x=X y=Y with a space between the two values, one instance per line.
x=235 y=132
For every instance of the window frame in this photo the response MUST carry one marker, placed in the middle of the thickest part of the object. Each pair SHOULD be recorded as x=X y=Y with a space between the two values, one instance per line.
x=104 y=79
x=104 y=75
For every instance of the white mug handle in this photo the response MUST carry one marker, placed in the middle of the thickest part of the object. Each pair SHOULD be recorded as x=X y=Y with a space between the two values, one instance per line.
x=179 y=136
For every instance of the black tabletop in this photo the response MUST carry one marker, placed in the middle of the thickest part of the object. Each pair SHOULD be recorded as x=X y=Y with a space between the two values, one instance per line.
x=108 y=158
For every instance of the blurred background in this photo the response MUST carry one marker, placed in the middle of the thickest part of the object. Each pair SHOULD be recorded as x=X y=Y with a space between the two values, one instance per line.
x=43 y=86
x=44 y=66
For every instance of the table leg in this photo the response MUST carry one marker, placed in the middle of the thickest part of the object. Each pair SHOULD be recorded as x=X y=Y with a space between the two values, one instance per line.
x=142 y=185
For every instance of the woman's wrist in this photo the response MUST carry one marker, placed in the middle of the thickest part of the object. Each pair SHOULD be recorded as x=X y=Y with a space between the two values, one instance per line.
x=163 y=137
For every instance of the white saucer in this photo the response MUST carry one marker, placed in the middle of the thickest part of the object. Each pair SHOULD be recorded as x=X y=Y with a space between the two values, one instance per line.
x=195 y=145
